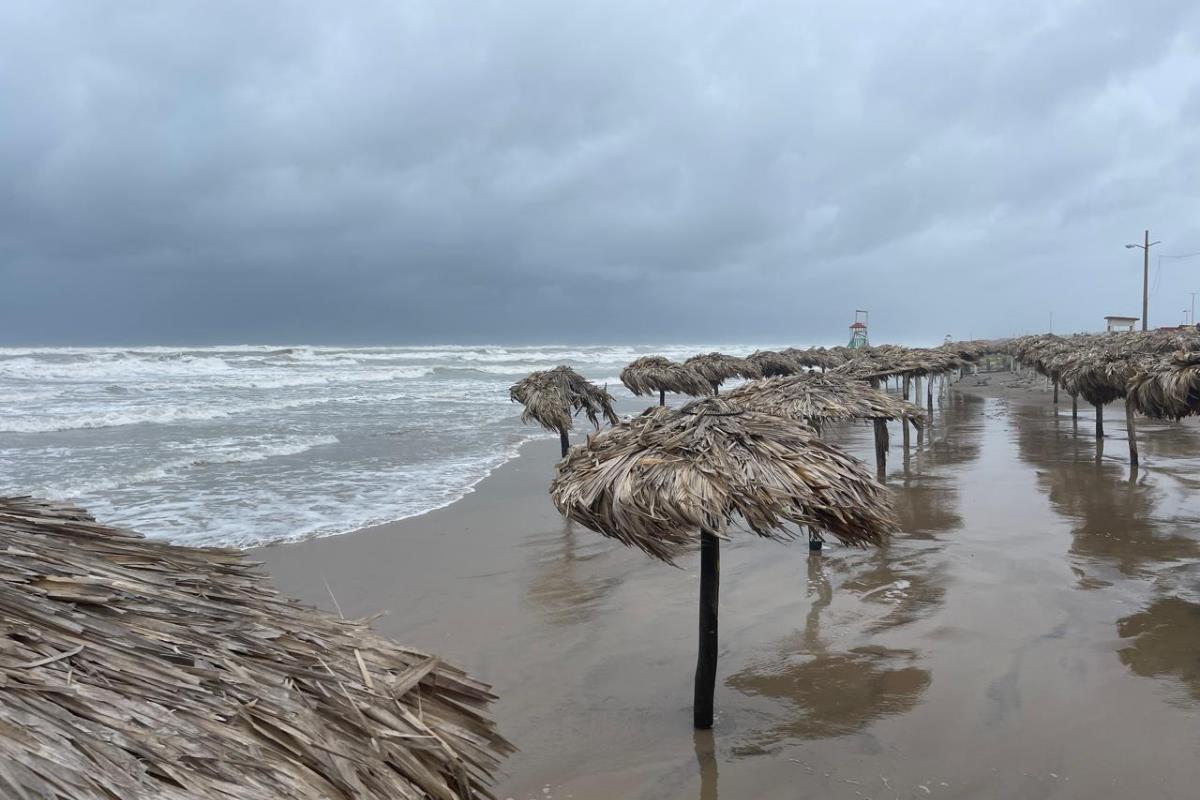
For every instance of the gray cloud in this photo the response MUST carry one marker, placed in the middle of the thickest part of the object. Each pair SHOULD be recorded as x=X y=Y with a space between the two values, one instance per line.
x=540 y=171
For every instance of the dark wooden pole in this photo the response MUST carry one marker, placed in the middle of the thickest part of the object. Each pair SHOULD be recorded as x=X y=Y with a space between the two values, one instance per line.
x=566 y=443
x=881 y=447
x=929 y=393
x=1074 y=407
x=1131 y=431
x=662 y=397
x=1099 y=421
x=903 y=420
x=706 y=662
x=1056 y=393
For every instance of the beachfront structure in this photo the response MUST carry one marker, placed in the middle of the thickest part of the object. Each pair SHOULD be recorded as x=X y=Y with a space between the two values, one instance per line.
x=673 y=478
x=650 y=374
x=1114 y=324
x=716 y=368
x=135 y=668
x=553 y=397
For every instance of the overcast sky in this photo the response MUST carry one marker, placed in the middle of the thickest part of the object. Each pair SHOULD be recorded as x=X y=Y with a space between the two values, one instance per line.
x=411 y=171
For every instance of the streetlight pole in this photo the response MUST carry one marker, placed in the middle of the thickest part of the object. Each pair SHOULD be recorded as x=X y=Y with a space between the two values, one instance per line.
x=1145 y=245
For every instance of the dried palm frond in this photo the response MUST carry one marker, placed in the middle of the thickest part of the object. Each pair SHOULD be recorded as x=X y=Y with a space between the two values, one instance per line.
x=822 y=397
x=651 y=374
x=551 y=397
x=133 y=668
x=657 y=481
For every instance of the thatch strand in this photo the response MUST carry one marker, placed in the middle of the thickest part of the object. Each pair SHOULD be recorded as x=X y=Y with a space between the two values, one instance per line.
x=1169 y=388
x=657 y=481
x=552 y=397
x=133 y=668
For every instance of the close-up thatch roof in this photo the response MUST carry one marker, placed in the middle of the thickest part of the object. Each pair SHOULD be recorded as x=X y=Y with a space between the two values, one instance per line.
x=657 y=481
x=552 y=397
x=132 y=668
x=823 y=397
x=1168 y=388
x=653 y=374
x=716 y=368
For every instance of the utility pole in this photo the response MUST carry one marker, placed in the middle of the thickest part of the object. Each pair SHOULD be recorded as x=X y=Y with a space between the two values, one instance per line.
x=1146 y=281
x=1192 y=316
x=1145 y=245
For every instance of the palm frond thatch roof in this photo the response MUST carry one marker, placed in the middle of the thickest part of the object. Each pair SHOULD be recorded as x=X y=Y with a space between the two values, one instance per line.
x=718 y=367
x=135 y=669
x=656 y=481
x=828 y=396
x=772 y=364
x=1168 y=388
x=652 y=374
x=552 y=397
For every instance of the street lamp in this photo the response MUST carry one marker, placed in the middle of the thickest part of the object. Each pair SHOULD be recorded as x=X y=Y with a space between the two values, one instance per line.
x=1146 y=245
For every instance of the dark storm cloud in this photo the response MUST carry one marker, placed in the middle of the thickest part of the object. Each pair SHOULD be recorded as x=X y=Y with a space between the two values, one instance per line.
x=416 y=171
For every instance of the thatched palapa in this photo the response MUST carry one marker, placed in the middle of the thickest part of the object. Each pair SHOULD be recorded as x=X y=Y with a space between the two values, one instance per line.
x=1168 y=389
x=658 y=480
x=671 y=478
x=823 y=397
x=716 y=368
x=552 y=397
x=655 y=374
x=772 y=364
x=139 y=669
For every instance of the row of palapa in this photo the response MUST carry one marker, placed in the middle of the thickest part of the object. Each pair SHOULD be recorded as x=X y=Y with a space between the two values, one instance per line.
x=669 y=479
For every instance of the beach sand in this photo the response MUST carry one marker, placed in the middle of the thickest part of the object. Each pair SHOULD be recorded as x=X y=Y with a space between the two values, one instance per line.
x=1033 y=633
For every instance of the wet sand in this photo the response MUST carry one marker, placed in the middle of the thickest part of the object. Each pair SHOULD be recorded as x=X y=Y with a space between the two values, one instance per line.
x=1033 y=633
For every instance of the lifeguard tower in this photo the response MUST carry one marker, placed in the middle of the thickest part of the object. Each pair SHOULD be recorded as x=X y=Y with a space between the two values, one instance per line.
x=858 y=331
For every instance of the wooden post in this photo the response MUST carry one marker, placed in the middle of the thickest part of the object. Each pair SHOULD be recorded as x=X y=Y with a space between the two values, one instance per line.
x=1056 y=393
x=1099 y=421
x=1074 y=407
x=706 y=662
x=566 y=443
x=929 y=394
x=1131 y=431
x=904 y=420
x=881 y=448
x=662 y=397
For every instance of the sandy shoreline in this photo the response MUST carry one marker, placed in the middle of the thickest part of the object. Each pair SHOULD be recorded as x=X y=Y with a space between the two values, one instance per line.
x=993 y=650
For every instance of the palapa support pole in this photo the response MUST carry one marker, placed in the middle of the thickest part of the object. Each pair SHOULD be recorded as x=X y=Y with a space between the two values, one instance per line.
x=904 y=420
x=565 y=442
x=881 y=447
x=1056 y=393
x=706 y=662
x=1131 y=431
x=929 y=394
x=662 y=397
x=1099 y=421
x=1074 y=407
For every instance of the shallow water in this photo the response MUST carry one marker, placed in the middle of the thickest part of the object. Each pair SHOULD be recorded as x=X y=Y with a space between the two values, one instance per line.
x=1034 y=632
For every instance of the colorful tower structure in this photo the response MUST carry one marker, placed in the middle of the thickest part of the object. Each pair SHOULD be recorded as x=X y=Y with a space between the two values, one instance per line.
x=858 y=331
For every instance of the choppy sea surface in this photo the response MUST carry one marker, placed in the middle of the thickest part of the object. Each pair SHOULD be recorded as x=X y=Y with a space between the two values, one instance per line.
x=254 y=444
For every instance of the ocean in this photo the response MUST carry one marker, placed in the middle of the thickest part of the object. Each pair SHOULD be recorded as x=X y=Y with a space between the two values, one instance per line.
x=248 y=445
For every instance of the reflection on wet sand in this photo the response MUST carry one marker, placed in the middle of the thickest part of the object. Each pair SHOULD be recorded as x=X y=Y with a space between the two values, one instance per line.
x=566 y=585
x=1166 y=642
x=834 y=694
x=706 y=757
x=1135 y=526
x=828 y=692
